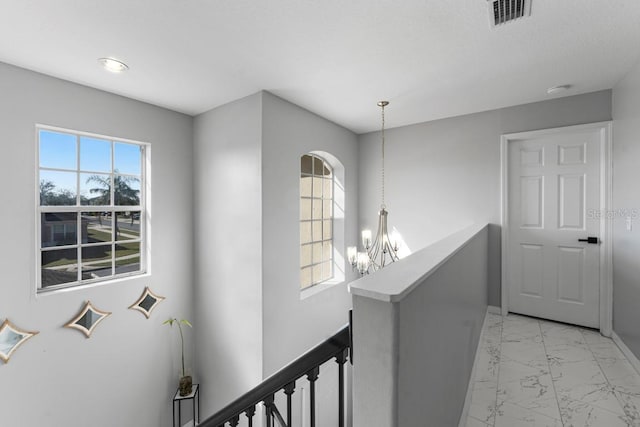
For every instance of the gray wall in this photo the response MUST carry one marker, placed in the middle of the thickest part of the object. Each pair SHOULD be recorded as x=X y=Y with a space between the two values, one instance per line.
x=228 y=247
x=445 y=174
x=127 y=372
x=626 y=202
x=413 y=358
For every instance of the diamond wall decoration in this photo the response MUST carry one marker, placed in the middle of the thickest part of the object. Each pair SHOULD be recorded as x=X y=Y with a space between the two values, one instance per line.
x=87 y=319
x=12 y=337
x=147 y=302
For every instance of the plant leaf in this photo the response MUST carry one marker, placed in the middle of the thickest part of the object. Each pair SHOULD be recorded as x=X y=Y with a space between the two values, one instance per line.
x=186 y=322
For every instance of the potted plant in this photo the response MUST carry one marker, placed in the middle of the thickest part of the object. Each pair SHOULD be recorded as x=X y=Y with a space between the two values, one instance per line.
x=185 y=380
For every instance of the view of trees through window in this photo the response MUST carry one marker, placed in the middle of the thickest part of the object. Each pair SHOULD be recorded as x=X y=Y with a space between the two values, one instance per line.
x=91 y=208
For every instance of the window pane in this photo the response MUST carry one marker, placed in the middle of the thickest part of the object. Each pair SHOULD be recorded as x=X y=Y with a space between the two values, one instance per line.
x=305 y=208
x=305 y=255
x=127 y=158
x=127 y=258
x=305 y=232
x=326 y=208
x=317 y=208
x=317 y=273
x=305 y=277
x=96 y=227
x=305 y=164
x=318 y=166
x=127 y=190
x=326 y=250
x=327 y=272
x=315 y=235
x=326 y=230
x=59 y=266
x=58 y=150
x=95 y=155
x=96 y=261
x=127 y=225
x=58 y=188
x=317 y=230
x=328 y=188
x=317 y=252
x=58 y=229
x=317 y=187
x=305 y=186
x=95 y=189
x=328 y=173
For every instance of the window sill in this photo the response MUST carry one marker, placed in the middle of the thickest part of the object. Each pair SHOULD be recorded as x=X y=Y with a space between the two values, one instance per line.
x=62 y=290
x=316 y=289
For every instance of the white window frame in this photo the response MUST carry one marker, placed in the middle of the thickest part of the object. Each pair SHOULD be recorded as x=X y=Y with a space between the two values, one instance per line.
x=143 y=208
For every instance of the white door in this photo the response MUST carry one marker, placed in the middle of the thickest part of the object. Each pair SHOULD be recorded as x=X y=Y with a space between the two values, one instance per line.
x=554 y=205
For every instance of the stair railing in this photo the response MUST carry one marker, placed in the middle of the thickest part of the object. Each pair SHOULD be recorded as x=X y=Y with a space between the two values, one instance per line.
x=337 y=346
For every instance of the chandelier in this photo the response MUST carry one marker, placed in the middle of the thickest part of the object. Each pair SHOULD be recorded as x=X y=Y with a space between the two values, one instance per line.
x=383 y=249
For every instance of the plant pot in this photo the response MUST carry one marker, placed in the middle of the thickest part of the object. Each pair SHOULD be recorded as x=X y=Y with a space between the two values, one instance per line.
x=186 y=385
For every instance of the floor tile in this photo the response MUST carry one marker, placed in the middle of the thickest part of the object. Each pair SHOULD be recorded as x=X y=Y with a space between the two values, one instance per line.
x=631 y=406
x=533 y=372
x=621 y=375
x=483 y=401
x=472 y=422
x=581 y=414
x=511 y=415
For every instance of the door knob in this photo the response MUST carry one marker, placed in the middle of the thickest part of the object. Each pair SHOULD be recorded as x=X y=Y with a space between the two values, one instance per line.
x=592 y=240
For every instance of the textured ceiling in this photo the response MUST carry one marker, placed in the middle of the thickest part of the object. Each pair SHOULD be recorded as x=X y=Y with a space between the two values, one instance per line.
x=430 y=58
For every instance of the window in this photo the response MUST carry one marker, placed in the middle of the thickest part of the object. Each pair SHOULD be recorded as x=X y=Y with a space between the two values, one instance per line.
x=316 y=220
x=91 y=208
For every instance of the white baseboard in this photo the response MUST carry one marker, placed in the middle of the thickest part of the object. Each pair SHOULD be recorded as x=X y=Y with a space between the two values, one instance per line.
x=626 y=351
x=467 y=399
x=494 y=309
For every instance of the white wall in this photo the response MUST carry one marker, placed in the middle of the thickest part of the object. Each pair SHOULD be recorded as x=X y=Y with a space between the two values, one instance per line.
x=252 y=320
x=445 y=174
x=127 y=372
x=626 y=201
x=293 y=323
x=228 y=247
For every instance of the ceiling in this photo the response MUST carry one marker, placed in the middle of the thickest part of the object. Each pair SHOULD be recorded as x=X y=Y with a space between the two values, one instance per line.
x=337 y=58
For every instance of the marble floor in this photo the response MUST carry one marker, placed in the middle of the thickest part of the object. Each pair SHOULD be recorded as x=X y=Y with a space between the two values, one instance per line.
x=537 y=373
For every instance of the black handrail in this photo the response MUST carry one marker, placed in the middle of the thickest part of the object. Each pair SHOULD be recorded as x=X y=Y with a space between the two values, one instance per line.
x=336 y=346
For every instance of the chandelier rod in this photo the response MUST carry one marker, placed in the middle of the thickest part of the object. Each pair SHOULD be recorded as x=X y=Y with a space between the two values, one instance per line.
x=382 y=104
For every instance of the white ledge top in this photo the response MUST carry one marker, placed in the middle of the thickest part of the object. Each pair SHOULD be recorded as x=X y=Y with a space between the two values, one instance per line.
x=395 y=281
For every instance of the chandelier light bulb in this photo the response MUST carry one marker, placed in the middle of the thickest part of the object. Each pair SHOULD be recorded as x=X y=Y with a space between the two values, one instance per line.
x=352 y=255
x=366 y=238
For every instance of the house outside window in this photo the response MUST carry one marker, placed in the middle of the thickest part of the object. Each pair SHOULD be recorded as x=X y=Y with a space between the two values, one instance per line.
x=317 y=182
x=91 y=208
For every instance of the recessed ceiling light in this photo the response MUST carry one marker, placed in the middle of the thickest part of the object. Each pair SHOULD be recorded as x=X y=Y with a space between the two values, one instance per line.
x=113 y=65
x=557 y=89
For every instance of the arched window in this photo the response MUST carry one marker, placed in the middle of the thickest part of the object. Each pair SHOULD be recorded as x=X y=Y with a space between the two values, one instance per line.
x=317 y=196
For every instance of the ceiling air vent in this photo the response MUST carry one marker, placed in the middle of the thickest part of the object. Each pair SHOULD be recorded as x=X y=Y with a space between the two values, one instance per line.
x=503 y=11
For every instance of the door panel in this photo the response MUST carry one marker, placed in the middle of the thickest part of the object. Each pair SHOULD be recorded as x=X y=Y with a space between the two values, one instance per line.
x=571 y=196
x=553 y=181
x=532 y=201
x=532 y=268
x=570 y=279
